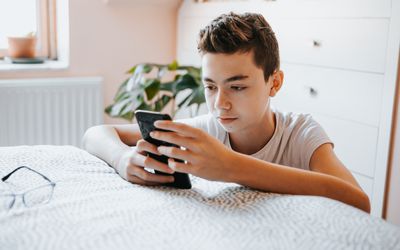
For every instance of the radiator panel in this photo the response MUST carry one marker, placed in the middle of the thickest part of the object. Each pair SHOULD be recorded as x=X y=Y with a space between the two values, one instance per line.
x=49 y=111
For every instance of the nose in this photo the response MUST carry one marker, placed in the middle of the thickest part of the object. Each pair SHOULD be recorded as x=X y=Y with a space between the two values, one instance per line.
x=222 y=101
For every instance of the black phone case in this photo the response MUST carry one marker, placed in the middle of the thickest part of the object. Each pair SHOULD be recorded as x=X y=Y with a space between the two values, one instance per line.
x=146 y=121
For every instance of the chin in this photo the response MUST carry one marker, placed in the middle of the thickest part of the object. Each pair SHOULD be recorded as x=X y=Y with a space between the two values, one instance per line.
x=228 y=128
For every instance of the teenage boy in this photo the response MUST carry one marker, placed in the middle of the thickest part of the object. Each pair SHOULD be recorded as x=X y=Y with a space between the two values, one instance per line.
x=241 y=140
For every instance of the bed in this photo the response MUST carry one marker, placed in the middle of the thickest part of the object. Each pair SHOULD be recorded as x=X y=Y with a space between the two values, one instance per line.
x=92 y=207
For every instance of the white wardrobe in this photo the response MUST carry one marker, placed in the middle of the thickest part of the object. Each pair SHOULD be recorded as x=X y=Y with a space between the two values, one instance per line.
x=340 y=60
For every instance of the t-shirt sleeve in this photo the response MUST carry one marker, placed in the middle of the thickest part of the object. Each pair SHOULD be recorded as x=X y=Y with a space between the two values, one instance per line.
x=306 y=138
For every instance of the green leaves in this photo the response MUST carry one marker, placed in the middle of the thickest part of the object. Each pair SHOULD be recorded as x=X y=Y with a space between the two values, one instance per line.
x=151 y=88
x=143 y=90
x=185 y=81
x=141 y=68
x=173 y=66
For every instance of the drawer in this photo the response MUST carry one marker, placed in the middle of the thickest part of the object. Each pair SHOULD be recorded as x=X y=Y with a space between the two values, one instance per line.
x=357 y=44
x=366 y=183
x=355 y=144
x=355 y=96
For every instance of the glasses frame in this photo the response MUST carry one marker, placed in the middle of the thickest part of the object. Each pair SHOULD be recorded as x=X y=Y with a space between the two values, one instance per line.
x=15 y=195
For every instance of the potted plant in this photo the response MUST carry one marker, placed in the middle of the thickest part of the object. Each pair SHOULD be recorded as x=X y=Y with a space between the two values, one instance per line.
x=23 y=46
x=147 y=88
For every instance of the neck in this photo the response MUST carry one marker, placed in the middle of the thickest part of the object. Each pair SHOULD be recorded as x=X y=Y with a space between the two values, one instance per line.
x=253 y=138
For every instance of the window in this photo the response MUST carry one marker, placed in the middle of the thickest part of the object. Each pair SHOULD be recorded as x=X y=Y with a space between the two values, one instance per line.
x=20 y=17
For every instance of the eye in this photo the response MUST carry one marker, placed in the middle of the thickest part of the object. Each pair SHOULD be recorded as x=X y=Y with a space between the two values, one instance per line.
x=238 y=88
x=209 y=87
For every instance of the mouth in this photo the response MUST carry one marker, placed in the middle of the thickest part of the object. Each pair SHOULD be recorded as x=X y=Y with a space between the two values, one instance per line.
x=226 y=120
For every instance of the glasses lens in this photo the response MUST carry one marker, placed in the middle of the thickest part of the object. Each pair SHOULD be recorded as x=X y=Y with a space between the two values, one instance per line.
x=38 y=196
x=6 y=201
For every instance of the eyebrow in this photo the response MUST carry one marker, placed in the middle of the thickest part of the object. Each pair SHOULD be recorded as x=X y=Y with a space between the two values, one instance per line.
x=230 y=79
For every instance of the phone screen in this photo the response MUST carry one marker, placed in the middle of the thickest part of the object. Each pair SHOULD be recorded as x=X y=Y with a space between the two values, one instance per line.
x=146 y=121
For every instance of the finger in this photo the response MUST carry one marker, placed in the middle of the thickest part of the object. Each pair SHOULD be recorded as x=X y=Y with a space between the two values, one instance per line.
x=139 y=159
x=148 y=162
x=178 y=127
x=173 y=138
x=180 y=166
x=177 y=153
x=145 y=146
x=157 y=165
x=137 y=180
x=150 y=177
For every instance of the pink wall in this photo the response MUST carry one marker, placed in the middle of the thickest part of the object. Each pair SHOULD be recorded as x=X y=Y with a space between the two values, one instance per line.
x=107 y=39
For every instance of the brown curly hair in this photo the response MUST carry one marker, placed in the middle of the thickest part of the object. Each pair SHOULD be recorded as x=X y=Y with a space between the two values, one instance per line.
x=231 y=33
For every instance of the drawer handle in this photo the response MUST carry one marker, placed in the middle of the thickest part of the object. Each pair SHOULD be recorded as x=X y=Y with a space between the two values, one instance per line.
x=316 y=44
x=312 y=91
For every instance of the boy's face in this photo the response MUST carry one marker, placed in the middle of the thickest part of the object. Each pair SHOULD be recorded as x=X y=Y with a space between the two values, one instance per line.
x=236 y=93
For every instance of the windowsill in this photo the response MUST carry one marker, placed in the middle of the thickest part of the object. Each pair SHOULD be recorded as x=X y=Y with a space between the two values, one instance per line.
x=47 y=65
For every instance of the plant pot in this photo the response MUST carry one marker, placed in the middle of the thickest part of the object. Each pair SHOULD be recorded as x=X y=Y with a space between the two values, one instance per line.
x=22 y=47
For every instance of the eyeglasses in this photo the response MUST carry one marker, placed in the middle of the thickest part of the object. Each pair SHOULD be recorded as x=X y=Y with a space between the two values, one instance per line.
x=32 y=197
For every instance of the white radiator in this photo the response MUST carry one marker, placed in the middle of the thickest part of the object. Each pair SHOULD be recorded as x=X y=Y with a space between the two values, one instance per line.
x=53 y=111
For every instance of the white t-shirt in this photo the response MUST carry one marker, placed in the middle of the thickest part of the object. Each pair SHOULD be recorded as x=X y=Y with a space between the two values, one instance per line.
x=295 y=138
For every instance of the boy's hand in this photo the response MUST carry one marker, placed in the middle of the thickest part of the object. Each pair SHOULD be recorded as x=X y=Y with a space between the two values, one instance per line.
x=130 y=165
x=203 y=154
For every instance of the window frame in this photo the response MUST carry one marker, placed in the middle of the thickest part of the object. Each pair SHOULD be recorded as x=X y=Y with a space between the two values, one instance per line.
x=46 y=30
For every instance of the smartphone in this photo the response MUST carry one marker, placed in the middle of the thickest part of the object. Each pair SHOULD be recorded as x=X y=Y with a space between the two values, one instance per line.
x=146 y=121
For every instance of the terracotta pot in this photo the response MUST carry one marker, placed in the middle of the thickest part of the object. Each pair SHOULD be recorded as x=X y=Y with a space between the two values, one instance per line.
x=22 y=47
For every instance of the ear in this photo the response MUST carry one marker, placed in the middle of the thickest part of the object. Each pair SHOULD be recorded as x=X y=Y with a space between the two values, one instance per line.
x=277 y=81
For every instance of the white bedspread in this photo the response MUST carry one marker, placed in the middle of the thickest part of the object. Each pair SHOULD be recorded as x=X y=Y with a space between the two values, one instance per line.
x=93 y=208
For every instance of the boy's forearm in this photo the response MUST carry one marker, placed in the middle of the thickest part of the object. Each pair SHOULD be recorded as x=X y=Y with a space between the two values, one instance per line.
x=270 y=177
x=104 y=142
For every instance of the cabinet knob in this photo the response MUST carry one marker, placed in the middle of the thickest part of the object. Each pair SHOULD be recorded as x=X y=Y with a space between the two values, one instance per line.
x=316 y=43
x=312 y=91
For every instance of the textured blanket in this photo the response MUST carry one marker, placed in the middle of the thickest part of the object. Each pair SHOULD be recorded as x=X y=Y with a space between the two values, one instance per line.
x=93 y=208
